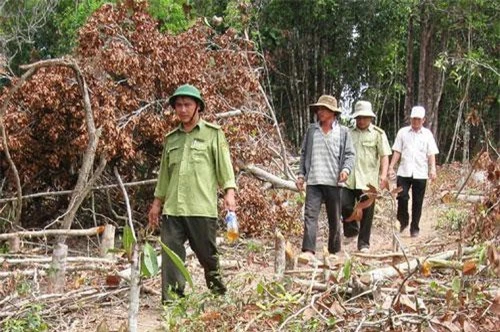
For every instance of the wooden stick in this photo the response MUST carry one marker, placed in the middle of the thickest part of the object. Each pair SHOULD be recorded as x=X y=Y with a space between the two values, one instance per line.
x=39 y=260
x=52 y=232
x=68 y=192
x=379 y=256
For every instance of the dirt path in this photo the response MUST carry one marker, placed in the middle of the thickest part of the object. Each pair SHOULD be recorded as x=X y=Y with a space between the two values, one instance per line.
x=260 y=263
x=429 y=239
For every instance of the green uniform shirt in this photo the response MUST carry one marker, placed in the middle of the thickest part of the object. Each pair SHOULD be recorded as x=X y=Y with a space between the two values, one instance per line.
x=192 y=166
x=370 y=145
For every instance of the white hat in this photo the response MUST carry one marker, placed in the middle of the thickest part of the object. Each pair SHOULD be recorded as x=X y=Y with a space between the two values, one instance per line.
x=363 y=108
x=417 y=112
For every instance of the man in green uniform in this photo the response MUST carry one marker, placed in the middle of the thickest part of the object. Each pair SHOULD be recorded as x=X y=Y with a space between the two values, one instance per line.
x=372 y=161
x=195 y=162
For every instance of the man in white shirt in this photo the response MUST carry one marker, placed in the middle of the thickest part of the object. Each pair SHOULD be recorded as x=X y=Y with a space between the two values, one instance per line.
x=416 y=148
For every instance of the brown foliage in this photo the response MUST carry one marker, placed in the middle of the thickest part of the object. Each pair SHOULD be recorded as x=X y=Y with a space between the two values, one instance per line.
x=484 y=220
x=131 y=69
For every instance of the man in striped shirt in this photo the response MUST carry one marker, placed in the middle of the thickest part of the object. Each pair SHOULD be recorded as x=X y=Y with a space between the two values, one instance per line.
x=327 y=158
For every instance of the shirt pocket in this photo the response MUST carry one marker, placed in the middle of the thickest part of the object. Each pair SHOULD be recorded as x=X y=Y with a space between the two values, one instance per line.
x=199 y=152
x=422 y=146
x=370 y=150
x=174 y=155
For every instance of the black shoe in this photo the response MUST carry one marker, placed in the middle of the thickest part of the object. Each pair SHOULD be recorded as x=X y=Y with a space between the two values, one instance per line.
x=402 y=228
x=414 y=233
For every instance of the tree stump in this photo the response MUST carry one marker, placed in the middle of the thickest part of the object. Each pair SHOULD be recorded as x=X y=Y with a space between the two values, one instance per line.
x=280 y=260
x=108 y=241
x=14 y=244
x=57 y=279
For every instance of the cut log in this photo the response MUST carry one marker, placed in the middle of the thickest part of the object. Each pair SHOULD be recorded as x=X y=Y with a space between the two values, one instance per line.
x=108 y=242
x=291 y=261
x=373 y=276
x=268 y=177
x=52 y=232
x=280 y=258
x=14 y=244
x=41 y=260
x=450 y=196
x=58 y=269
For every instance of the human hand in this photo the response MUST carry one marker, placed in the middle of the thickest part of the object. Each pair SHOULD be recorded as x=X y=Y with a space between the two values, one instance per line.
x=229 y=200
x=343 y=176
x=300 y=183
x=392 y=174
x=383 y=182
x=154 y=214
x=432 y=174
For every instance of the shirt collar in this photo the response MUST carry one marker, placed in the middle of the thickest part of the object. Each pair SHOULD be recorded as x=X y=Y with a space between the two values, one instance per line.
x=334 y=124
x=415 y=131
x=199 y=125
x=370 y=128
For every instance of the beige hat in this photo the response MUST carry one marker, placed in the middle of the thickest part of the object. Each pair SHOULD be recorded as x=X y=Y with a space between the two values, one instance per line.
x=327 y=101
x=417 y=112
x=363 y=108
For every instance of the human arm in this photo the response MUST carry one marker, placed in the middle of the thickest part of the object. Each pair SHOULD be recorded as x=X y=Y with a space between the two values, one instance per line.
x=155 y=212
x=225 y=172
x=349 y=158
x=432 y=167
x=394 y=160
x=384 y=153
x=384 y=166
x=299 y=183
x=160 y=192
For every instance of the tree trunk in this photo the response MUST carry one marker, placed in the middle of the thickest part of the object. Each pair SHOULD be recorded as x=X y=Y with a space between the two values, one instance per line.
x=409 y=68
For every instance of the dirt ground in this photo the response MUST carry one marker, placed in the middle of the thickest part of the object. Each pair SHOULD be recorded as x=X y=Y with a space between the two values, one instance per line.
x=256 y=266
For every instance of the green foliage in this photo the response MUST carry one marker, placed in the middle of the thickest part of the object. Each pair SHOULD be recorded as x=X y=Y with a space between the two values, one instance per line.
x=149 y=262
x=170 y=15
x=70 y=20
x=347 y=270
x=178 y=263
x=30 y=321
x=453 y=219
x=128 y=241
x=23 y=287
x=254 y=246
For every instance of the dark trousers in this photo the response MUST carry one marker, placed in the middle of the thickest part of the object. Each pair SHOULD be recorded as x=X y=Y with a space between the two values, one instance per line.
x=353 y=228
x=201 y=233
x=417 y=194
x=315 y=195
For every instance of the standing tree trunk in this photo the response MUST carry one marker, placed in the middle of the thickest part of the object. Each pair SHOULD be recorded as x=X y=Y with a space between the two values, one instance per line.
x=430 y=78
x=409 y=98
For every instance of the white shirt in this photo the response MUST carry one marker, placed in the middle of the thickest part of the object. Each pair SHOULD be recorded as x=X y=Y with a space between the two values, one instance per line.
x=415 y=148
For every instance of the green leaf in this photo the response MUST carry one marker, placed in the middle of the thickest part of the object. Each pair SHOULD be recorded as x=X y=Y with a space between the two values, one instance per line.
x=455 y=285
x=178 y=263
x=128 y=241
x=260 y=288
x=149 y=262
x=346 y=270
x=482 y=255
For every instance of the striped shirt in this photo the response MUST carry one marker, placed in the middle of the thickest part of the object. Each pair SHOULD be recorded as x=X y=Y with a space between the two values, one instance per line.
x=325 y=157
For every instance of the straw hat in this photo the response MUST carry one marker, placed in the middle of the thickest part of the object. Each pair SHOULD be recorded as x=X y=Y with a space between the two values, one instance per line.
x=327 y=101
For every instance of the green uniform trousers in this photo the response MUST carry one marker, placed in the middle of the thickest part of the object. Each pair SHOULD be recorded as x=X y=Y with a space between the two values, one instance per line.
x=201 y=233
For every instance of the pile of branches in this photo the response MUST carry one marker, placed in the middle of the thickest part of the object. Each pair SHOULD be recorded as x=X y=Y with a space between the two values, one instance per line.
x=130 y=69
